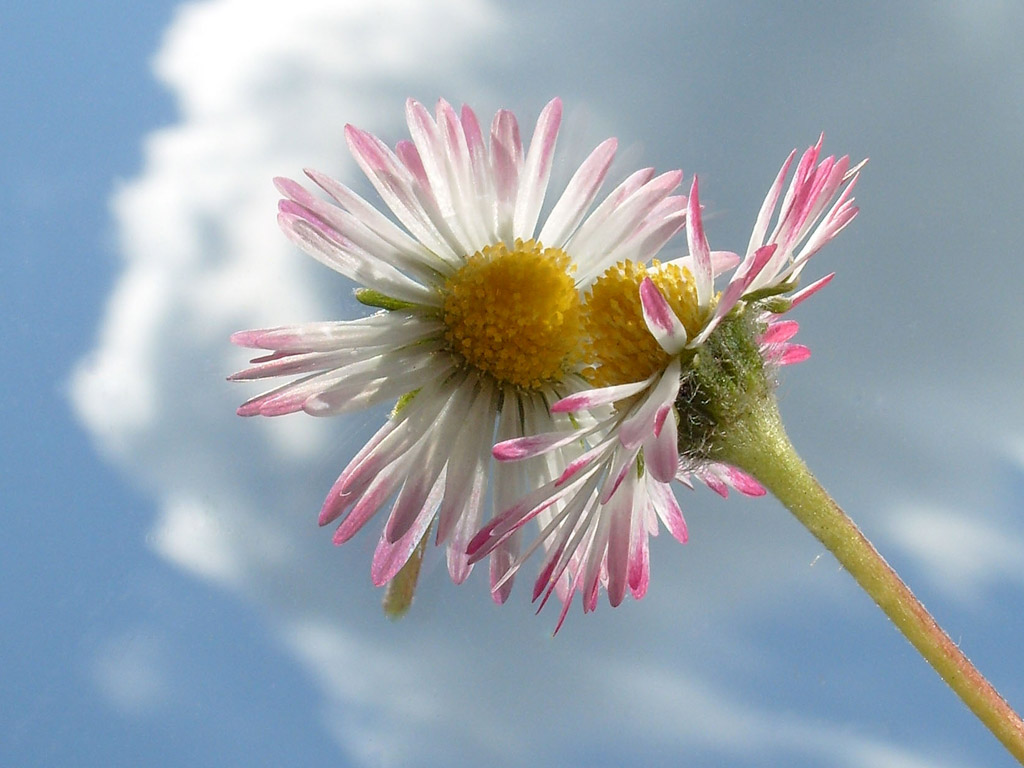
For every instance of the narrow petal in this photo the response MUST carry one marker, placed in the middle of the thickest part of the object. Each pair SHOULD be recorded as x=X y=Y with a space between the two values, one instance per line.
x=373 y=219
x=810 y=290
x=743 y=482
x=637 y=426
x=408 y=256
x=483 y=177
x=396 y=328
x=389 y=558
x=506 y=161
x=536 y=171
x=578 y=195
x=780 y=331
x=604 y=231
x=396 y=186
x=794 y=353
x=381 y=488
x=535 y=445
x=336 y=500
x=592 y=398
x=668 y=510
x=700 y=251
x=468 y=464
x=768 y=206
x=621 y=515
x=661 y=450
x=661 y=321
x=411 y=501
x=353 y=262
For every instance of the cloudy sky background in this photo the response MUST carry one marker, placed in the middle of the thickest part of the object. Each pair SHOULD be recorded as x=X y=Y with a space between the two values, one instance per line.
x=167 y=596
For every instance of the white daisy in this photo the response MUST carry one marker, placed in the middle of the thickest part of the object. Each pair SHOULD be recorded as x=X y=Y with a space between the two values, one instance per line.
x=653 y=335
x=479 y=328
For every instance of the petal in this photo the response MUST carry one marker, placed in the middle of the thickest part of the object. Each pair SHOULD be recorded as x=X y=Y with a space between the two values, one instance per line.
x=397 y=187
x=794 y=353
x=536 y=171
x=388 y=558
x=578 y=195
x=412 y=499
x=743 y=482
x=661 y=321
x=535 y=445
x=592 y=398
x=661 y=450
x=353 y=262
x=699 y=249
x=371 y=218
x=768 y=206
x=469 y=464
x=810 y=290
x=506 y=161
x=667 y=508
x=606 y=228
x=640 y=424
x=402 y=252
x=483 y=177
x=780 y=331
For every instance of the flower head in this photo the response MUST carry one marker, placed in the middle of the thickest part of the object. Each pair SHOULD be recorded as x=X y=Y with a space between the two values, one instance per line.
x=480 y=325
x=674 y=366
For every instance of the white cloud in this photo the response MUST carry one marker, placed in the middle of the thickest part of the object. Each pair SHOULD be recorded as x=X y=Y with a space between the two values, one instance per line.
x=262 y=93
x=964 y=554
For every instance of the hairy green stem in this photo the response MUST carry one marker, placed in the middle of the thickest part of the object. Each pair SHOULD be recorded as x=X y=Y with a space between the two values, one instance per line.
x=764 y=451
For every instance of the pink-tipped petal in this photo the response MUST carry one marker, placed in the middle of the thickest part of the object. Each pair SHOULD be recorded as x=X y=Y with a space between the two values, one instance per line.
x=389 y=558
x=568 y=212
x=640 y=424
x=536 y=171
x=592 y=398
x=661 y=451
x=744 y=483
x=618 y=550
x=535 y=445
x=780 y=331
x=794 y=353
x=810 y=290
x=639 y=560
x=716 y=484
x=699 y=249
x=661 y=321
x=506 y=160
x=668 y=510
x=768 y=206
x=501 y=568
x=397 y=187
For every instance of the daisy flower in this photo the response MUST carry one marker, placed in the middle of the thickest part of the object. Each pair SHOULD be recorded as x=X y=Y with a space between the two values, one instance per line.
x=671 y=366
x=479 y=325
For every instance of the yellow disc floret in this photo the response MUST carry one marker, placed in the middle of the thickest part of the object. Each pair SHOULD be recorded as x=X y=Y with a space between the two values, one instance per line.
x=515 y=314
x=620 y=348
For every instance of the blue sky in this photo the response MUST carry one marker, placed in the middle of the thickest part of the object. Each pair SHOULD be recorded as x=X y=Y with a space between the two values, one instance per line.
x=166 y=588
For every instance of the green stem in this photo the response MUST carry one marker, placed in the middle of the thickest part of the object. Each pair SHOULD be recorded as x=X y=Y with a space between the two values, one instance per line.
x=765 y=452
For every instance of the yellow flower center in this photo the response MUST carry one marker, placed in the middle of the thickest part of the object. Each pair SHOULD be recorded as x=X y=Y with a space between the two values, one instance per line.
x=515 y=314
x=620 y=348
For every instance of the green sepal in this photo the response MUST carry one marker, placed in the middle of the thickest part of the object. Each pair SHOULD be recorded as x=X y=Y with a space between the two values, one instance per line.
x=777 y=305
x=770 y=291
x=372 y=298
x=401 y=589
x=403 y=401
